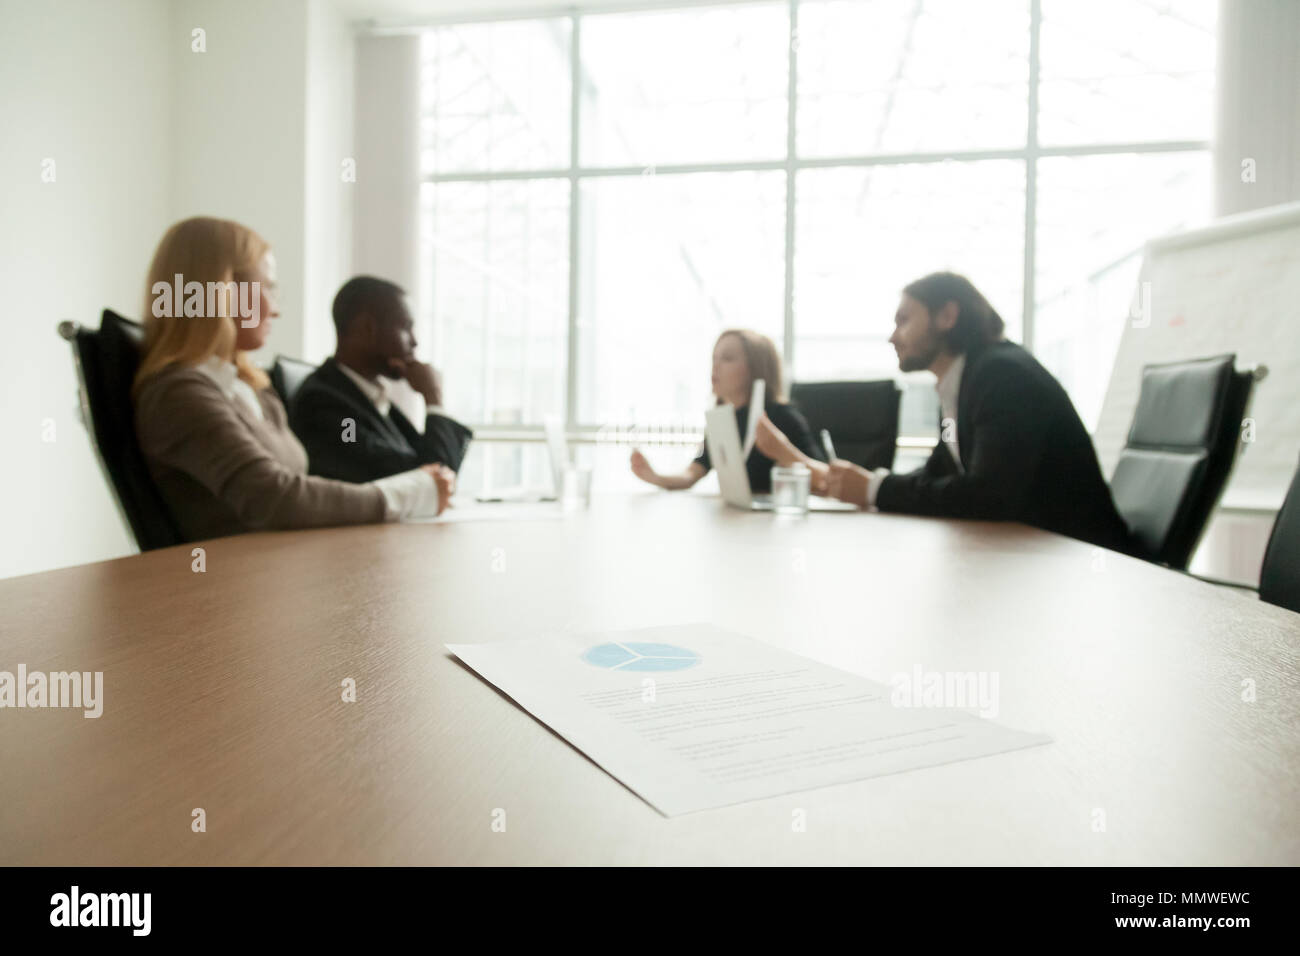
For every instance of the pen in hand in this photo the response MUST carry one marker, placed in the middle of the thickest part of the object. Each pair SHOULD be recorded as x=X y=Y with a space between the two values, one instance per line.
x=830 y=457
x=828 y=445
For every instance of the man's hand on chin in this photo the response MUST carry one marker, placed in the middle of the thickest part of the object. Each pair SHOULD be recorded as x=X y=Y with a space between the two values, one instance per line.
x=421 y=376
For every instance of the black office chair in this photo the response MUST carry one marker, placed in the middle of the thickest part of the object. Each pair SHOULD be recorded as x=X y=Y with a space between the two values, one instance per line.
x=287 y=376
x=862 y=418
x=106 y=362
x=1279 y=577
x=1179 y=453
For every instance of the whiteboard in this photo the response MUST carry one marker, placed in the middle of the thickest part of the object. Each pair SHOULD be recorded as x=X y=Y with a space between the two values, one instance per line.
x=1232 y=286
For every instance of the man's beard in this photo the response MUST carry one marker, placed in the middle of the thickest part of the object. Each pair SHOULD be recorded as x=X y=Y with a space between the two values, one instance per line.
x=920 y=361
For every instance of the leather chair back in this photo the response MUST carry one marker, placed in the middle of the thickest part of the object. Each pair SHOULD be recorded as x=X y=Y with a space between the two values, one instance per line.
x=1179 y=453
x=106 y=363
x=862 y=418
x=287 y=376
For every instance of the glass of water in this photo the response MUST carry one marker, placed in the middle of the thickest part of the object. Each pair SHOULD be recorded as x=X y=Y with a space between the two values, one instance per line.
x=790 y=488
x=576 y=492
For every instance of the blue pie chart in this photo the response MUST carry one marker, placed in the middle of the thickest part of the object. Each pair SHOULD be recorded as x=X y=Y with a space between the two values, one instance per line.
x=640 y=656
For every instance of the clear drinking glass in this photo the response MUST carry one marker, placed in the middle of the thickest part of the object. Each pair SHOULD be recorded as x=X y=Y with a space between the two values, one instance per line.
x=576 y=492
x=790 y=488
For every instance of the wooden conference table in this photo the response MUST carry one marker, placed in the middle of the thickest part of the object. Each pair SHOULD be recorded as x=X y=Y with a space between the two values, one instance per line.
x=223 y=691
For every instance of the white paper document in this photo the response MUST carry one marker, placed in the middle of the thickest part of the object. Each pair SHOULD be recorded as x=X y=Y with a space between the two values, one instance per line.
x=691 y=716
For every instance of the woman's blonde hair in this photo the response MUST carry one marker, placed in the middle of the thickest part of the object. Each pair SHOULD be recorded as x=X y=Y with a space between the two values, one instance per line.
x=215 y=253
x=763 y=359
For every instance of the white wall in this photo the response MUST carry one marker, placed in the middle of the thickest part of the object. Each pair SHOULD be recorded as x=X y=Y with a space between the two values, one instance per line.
x=86 y=84
x=239 y=121
x=1257 y=115
x=386 y=215
x=263 y=121
x=329 y=196
x=144 y=131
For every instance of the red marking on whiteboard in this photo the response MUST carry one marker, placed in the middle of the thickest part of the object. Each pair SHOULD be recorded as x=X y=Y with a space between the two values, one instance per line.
x=1177 y=320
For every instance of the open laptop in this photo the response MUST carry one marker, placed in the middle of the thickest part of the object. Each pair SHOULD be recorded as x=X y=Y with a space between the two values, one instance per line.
x=558 y=450
x=727 y=455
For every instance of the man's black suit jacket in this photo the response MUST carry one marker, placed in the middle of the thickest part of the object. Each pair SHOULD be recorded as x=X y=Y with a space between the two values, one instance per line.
x=385 y=444
x=1026 y=455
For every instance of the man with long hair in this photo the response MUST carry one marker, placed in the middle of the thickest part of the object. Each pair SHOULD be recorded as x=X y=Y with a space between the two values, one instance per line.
x=1012 y=447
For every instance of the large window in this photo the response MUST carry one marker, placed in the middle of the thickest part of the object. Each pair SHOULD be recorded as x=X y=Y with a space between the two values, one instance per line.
x=604 y=192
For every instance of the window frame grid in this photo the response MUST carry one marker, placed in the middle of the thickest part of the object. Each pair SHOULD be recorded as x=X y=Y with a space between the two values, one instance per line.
x=791 y=165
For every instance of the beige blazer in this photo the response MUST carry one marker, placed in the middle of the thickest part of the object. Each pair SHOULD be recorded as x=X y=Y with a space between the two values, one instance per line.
x=222 y=471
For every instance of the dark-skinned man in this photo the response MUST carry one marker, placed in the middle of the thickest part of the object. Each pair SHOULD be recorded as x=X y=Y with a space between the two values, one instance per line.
x=343 y=413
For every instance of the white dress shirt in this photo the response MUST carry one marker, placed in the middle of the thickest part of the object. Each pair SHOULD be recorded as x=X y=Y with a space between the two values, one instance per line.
x=948 y=387
x=386 y=394
x=377 y=390
x=409 y=494
x=412 y=492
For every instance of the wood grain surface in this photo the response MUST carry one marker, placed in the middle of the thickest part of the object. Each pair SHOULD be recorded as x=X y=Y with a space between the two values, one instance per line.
x=222 y=691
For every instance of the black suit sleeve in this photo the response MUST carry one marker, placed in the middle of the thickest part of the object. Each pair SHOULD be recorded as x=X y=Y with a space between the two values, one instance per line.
x=939 y=464
x=444 y=440
x=319 y=419
x=1007 y=433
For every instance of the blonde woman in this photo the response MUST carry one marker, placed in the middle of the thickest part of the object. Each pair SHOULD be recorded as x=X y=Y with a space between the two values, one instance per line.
x=213 y=433
x=739 y=357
